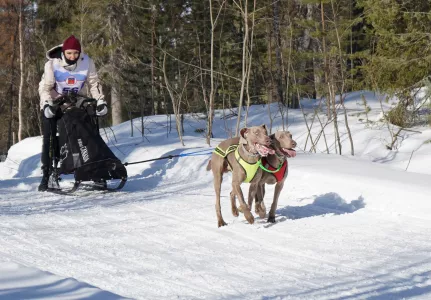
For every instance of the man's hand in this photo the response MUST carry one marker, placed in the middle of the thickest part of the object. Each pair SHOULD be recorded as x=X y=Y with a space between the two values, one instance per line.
x=49 y=111
x=101 y=110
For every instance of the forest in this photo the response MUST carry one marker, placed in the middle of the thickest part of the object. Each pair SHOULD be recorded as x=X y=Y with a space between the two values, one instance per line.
x=192 y=57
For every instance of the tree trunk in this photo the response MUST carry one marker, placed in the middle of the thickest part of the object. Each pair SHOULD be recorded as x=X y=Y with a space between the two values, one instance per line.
x=212 y=91
x=249 y=57
x=317 y=67
x=270 y=87
x=211 y=101
x=153 y=58
x=304 y=46
x=21 y=69
x=244 y=12
x=341 y=65
x=116 y=105
x=175 y=102
x=325 y=60
x=116 y=108
x=277 y=38
x=10 y=139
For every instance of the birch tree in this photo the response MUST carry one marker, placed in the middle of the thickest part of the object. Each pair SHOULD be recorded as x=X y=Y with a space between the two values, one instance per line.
x=21 y=69
x=176 y=97
x=212 y=90
x=243 y=8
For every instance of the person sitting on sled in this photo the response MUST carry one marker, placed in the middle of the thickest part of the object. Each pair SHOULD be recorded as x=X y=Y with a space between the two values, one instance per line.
x=68 y=70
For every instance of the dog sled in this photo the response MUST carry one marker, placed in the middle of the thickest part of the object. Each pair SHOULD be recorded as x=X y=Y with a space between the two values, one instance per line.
x=81 y=151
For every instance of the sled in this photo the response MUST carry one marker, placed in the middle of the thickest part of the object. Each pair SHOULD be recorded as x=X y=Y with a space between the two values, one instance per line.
x=81 y=150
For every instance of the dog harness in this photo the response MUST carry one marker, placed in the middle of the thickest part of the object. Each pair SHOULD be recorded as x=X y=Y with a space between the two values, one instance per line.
x=279 y=172
x=249 y=169
x=219 y=151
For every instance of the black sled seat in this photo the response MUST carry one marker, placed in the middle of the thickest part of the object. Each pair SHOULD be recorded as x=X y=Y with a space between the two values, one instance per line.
x=83 y=152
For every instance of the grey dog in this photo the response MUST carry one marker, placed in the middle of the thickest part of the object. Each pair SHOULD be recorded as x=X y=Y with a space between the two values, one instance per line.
x=283 y=145
x=250 y=146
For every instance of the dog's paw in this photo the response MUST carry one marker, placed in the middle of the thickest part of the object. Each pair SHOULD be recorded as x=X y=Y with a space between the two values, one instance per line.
x=271 y=219
x=235 y=212
x=249 y=217
x=222 y=223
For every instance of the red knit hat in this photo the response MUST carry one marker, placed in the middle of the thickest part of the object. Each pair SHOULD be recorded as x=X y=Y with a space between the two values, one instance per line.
x=71 y=43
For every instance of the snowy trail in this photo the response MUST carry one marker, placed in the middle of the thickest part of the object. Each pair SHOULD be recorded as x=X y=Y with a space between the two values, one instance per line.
x=19 y=282
x=340 y=234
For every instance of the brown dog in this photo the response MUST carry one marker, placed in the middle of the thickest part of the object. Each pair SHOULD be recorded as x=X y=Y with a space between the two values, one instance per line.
x=252 y=145
x=283 y=145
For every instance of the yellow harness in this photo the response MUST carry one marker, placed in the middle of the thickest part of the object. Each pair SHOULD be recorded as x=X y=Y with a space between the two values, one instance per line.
x=250 y=169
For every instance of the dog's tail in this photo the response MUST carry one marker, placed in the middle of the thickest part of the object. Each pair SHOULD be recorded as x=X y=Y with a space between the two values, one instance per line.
x=209 y=165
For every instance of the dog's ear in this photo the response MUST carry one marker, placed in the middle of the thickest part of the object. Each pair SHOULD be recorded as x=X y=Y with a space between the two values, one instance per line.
x=242 y=136
x=276 y=138
x=264 y=127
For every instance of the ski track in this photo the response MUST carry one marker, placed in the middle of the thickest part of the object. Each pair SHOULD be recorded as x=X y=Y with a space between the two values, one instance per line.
x=113 y=241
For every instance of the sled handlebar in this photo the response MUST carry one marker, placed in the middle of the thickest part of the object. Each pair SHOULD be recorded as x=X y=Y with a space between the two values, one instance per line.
x=72 y=98
x=88 y=100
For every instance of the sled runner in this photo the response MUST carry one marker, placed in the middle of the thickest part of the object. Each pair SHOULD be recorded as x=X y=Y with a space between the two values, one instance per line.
x=81 y=149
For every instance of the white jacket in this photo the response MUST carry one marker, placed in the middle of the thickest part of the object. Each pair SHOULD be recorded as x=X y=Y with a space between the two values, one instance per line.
x=47 y=90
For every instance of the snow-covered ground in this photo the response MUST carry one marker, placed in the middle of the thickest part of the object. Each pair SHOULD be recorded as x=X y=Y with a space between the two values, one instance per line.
x=19 y=282
x=347 y=227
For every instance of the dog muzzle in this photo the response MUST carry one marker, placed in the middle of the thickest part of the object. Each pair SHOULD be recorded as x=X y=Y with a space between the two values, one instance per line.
x=263 y=150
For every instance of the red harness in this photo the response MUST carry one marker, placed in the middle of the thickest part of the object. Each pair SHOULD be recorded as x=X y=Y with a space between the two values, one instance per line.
x=279 y=175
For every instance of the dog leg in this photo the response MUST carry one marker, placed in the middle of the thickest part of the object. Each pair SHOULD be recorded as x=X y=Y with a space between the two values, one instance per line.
x=260 y=192
x=217 y=187
x=252 y=194
x=235 y=212
x=217 y=169
x=257 y=198
x=236 y=188
x=260 y=208
x=278 y=187
x=238 y=208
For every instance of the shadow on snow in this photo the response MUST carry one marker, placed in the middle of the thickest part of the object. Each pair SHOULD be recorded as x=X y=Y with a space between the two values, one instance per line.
x=330 y=203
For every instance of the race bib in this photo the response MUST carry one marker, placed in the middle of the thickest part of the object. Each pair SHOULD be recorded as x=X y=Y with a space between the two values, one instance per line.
x=70 y=81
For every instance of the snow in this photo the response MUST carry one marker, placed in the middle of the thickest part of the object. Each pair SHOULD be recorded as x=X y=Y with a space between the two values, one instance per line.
x=348 y=227
x=19 y=282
